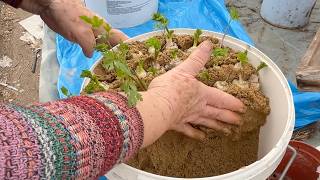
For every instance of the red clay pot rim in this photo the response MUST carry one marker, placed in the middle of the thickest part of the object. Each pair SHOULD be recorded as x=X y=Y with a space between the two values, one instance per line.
x=308 y=149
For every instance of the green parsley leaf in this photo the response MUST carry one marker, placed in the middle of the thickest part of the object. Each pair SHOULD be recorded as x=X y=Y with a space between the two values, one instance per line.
x=242 y=57
x=234 y=13
x=261 y=66
x=220 y=52
x=86 y=74
x=196 y=37
x=65 y=91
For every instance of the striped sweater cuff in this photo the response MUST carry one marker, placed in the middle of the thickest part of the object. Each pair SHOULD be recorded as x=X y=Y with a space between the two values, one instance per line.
x=130 y=120
x=81 y=138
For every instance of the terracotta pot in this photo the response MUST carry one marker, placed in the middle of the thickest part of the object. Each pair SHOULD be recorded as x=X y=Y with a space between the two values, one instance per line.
x=306 y=165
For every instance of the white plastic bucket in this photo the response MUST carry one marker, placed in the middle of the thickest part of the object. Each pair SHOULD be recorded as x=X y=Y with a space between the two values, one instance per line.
x=275 y=134
x=287 y=13
x=124 y=13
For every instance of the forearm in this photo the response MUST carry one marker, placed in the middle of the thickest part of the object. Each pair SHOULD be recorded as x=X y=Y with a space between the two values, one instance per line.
x=78 y=137
x=156 y=115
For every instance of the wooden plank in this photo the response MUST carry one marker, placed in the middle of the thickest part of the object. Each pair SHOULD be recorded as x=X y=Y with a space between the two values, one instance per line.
x=308 y=72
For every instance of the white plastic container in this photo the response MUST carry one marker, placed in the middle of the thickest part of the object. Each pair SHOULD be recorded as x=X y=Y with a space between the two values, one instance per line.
x=124 y=13
x=275 y=134
x=287 y=13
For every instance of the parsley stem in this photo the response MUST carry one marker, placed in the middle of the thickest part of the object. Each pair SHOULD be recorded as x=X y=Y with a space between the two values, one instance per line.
x=139 y=81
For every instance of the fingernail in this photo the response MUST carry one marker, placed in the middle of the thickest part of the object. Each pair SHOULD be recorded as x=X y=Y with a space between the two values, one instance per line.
x=206 y=45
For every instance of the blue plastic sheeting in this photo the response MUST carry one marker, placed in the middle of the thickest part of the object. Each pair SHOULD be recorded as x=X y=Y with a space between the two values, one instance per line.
x=102 y=178
x=197 y=14
x=204 y=14
x=307 y=106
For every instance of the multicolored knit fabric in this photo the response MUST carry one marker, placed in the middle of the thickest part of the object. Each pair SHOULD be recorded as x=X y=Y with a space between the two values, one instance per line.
x=78 y=138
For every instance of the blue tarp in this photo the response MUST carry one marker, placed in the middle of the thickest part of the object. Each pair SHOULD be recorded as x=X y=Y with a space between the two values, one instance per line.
x=204 y=14
x=307 y=106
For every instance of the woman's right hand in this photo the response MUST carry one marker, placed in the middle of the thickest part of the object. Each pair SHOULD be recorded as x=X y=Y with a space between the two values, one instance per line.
x=63 y=17
x=176 y=100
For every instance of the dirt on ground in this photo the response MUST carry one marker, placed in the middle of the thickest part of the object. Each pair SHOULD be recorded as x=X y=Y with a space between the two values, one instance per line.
x=17 y=73
x=222 y=151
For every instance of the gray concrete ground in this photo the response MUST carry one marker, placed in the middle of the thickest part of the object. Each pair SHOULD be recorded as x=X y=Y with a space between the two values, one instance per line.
x=285 y=47
x=315 y=138
x=18 y=74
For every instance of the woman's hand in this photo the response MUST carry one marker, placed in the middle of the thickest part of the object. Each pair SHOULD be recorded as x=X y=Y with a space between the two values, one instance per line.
x=63 y=17
x=176 y=100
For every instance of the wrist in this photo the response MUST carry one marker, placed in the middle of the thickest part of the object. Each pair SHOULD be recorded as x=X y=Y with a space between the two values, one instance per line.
x=156 y=116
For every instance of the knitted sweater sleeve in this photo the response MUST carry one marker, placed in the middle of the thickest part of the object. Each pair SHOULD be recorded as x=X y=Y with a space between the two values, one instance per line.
x=79 y=138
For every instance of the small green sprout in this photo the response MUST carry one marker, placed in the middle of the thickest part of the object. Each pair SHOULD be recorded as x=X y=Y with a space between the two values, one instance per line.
x=109 y=57
x=234 y=16
x=170 y=35
x=243 y=57
x=96 y=23
x=102 y=47
x=196 y=37
x=129 y=80
x=220 y=52
x=65 y=92
x=261 y=66
x=94 y=85
x=123 y=49
x=234 y=13
x=154 y=45
x=106 y=36
x=174 y=53
x=162 y=23
x=107 y=27
x=122 y=69
x=140 y=70
x=154 y=71
x=204 y=75
x=115 y=61
x=130 y=89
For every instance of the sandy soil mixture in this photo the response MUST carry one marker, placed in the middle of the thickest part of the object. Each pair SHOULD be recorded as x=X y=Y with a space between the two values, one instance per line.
x=221 y=152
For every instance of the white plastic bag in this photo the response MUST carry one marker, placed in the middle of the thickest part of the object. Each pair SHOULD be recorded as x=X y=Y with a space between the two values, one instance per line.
x=49 y=69
x=124 y=13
